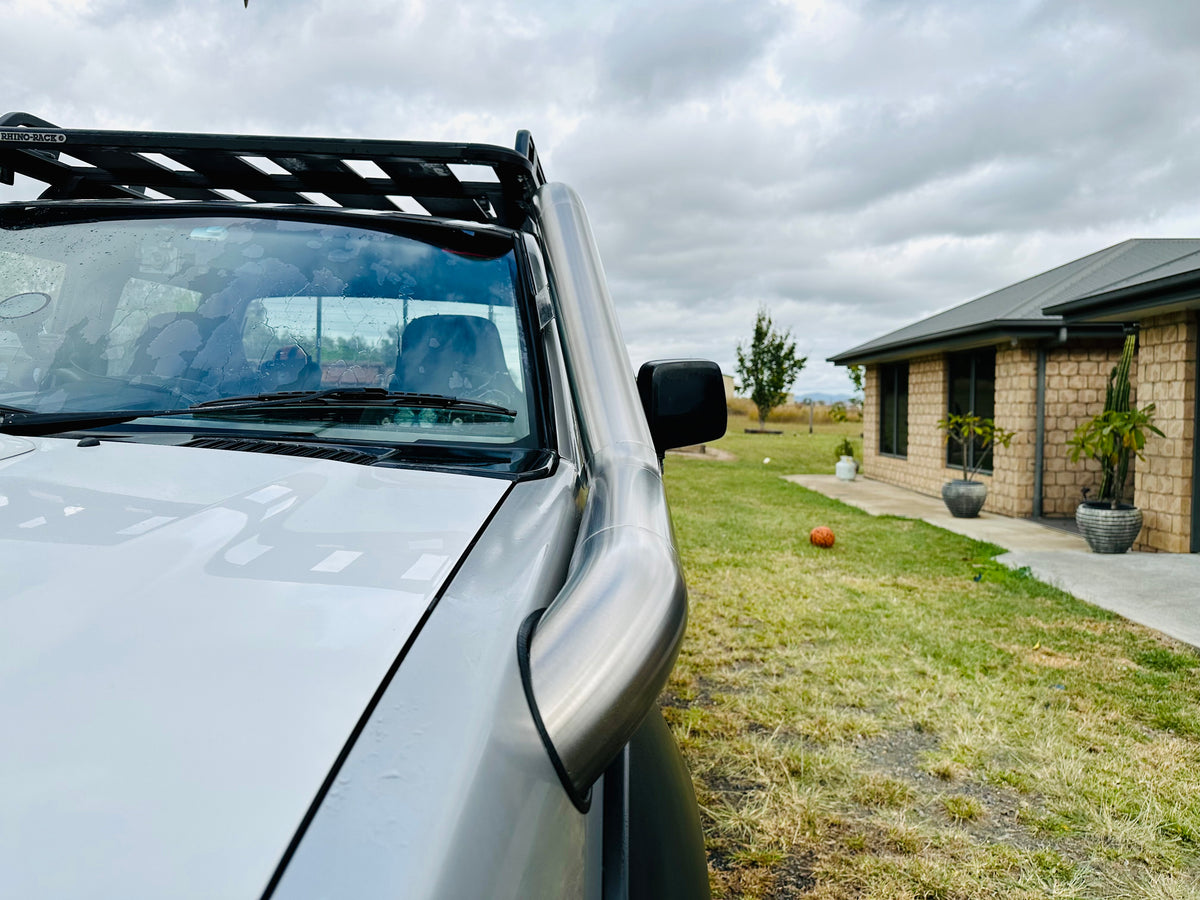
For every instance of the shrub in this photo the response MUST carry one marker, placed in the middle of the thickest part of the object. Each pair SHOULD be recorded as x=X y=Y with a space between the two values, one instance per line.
x=965 y=429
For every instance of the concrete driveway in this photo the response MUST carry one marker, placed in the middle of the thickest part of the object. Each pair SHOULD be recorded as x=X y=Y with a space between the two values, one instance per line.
x=1160 y=590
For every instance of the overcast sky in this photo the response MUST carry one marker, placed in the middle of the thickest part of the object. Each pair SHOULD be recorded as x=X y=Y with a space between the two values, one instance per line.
x=850 y=166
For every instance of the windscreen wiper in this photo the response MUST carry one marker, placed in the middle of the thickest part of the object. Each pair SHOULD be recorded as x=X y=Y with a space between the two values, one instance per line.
x=14 y=420
x=32 y=423
x=350 y=397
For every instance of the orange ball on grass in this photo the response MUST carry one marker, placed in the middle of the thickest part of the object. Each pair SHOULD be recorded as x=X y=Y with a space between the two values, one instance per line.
x=821 y=536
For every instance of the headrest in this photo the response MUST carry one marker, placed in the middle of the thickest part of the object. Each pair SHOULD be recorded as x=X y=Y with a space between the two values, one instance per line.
x=443 y=354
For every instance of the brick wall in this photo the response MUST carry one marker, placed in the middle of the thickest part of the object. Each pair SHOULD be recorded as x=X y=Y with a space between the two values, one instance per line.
x=1010 y=487
x=924 y=469
x=1011 y=492
x=1076 y=375
x=1076 y=378
x=870 y=414
x=1166 y=364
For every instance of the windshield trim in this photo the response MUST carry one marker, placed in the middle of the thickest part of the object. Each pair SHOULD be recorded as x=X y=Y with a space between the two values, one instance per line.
x=467 y=237
x=17 y=215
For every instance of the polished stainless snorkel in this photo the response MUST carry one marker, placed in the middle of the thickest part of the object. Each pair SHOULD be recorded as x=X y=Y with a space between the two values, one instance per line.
x=597 y=659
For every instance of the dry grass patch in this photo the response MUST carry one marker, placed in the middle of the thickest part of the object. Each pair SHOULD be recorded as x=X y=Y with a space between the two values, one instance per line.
x=962 y=809
x=870 y=721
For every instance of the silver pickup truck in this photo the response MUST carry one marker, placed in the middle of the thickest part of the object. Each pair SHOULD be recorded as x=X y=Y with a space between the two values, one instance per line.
x=334 y=555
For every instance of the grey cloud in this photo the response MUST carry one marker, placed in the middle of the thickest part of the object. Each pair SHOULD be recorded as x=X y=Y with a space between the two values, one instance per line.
x=1063 y=93
x=1168 y=24
x=106 y=13
x=374 y=67
x=851 y=165
x=666 y=52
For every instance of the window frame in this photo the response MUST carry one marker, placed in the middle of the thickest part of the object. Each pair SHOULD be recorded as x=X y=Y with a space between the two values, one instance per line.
x=890 y=391
x=972 y=359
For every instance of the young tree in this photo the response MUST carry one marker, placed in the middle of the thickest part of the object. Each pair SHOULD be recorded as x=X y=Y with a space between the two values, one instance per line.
x=856 y=373
x=769 y=366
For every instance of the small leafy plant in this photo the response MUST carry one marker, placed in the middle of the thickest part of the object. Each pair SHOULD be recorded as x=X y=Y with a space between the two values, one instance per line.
x=965 y=429
x=1113 y=438
x=845 y=448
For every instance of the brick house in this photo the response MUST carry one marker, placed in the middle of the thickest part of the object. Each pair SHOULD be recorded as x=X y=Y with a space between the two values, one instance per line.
x=1035 y=356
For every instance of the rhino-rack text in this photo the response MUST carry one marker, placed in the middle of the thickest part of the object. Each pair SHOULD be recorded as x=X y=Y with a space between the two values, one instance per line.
x=34 y=137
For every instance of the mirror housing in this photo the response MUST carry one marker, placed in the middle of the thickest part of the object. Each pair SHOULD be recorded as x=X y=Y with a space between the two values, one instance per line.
x=684 y=402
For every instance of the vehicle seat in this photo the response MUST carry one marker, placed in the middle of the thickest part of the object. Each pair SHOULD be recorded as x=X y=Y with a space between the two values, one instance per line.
x=454 y=356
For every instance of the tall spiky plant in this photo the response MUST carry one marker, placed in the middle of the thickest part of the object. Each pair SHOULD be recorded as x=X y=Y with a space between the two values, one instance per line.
x=1116 y=435
x=1116 y=399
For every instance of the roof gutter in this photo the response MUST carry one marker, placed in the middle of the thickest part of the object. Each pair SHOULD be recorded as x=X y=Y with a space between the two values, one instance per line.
x=969 y=337
x=595 y=662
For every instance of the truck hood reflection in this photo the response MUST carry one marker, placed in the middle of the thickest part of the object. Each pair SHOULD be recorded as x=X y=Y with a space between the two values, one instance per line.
x=189 y=638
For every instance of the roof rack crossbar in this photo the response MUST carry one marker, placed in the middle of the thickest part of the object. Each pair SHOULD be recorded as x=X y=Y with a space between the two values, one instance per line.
x=116 y=164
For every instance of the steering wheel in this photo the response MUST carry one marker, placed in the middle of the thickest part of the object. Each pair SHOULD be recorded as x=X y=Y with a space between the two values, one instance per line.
x=493 y=387
x=185 y=390
x=496 y=396
x=60 y=377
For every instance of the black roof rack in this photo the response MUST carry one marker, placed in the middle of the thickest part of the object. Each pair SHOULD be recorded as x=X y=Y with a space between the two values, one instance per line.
x=177 y=166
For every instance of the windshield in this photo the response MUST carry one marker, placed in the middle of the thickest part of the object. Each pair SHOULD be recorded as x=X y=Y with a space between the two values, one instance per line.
x=165 y=313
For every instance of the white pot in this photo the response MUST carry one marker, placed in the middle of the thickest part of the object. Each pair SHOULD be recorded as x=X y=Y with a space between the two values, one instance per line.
x=846 y=468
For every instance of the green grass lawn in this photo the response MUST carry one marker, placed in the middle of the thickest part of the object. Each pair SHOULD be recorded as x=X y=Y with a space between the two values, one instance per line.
x=901 y=717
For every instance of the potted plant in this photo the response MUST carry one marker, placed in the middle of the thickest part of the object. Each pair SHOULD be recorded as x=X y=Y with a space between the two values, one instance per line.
x=846 y=467
x=964 y=497
x=1113 y=438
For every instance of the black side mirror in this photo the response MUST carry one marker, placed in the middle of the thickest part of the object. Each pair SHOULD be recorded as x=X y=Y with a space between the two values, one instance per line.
x=684 y=401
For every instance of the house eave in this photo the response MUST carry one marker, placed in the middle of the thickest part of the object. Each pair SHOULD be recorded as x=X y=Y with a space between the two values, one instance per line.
x=1173 y=294
x=969 y=338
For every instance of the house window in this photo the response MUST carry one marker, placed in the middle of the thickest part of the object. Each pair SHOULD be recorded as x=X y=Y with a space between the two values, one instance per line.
x=893 y=409
x=972 y=390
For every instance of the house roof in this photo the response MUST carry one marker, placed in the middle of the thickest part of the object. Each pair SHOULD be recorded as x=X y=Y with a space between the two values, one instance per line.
x=1172 y=286
x=1021 y=309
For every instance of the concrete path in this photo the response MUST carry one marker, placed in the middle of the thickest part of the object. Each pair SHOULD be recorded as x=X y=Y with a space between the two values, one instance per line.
x=1161 y=590
x=881 y=499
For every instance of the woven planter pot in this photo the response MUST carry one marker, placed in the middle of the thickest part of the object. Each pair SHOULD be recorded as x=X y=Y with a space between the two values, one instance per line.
x=1108 y=530
x=964 y=499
